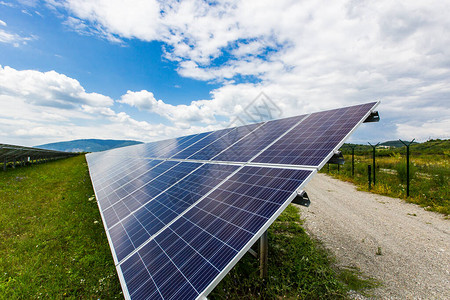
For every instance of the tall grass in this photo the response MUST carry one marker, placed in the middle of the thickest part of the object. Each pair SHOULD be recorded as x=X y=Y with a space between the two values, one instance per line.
x=429 y=178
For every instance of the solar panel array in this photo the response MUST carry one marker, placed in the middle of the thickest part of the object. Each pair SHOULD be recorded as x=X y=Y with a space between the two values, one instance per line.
x=180 y=213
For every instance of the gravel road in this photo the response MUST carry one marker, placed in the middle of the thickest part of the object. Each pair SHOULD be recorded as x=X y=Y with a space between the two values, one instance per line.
x=414 y=243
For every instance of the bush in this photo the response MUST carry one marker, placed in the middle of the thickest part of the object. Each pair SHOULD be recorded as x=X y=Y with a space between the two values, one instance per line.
x=402 y=170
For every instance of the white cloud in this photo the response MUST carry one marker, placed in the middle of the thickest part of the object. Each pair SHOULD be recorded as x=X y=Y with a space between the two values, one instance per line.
x=305 y=55
x=13 y=38
x=181 y=115
x=424 y=131
x=41 y=107
x=49 y=89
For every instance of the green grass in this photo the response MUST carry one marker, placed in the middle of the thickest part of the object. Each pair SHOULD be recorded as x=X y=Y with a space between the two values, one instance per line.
x=53 y=246
x=298 y=268
x=52 y=242
x=429 y=184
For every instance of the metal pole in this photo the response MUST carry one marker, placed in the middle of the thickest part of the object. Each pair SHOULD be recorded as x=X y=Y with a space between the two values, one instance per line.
x=263 y=254
x=368 y=174
x=407 y=171
x=373 y=161
x=407 y=165
x=353 y=161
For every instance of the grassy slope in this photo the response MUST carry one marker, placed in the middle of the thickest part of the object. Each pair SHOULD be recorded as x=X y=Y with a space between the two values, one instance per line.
x=52 y=242
x=52 y=245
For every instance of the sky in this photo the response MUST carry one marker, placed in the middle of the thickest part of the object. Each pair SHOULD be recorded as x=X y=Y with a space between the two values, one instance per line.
x=150 y=70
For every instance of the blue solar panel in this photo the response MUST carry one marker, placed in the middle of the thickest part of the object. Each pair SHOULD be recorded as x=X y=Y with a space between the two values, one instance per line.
x=224 y=142
x=129 y=227
x=176 y=226
x=312 y=141
x=175 y=148
x=202 y=143
x=184 y=259
x=258 y=140
x=141 y=189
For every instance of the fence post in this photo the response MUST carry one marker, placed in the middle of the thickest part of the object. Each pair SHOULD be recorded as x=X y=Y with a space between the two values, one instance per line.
x=373 y=159
x=353 y=161
x=407 y=165
x=368 y=174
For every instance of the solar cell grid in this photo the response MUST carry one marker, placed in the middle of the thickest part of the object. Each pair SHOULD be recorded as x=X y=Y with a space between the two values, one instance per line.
x=210 y=234
x=259 y=139
x=147 y=218
x=150 y=184
x=170 y=151
x=176 y=226
x=311 y=141
x=224 y=142
x=124 y=174
x=201 y=143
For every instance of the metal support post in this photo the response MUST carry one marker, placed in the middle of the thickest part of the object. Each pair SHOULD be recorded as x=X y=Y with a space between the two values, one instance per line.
x=263 y=254
x=407 y=165
x=368 y=174
x=353 y=161
x=373 y=159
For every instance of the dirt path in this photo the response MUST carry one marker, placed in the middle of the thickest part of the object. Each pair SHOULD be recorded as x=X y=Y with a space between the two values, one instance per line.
x=414 y=243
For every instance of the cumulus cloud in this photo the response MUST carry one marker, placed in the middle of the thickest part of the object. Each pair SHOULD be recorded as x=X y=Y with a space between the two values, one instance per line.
x=48 y=89
x=305 y=55
x=182 y=115
x=40 y=107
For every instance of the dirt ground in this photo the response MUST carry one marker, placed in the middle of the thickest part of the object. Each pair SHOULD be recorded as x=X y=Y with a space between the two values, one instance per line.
x=399 y=244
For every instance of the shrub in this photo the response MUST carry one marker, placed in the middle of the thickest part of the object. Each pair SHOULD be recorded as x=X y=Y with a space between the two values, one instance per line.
x=401 y=171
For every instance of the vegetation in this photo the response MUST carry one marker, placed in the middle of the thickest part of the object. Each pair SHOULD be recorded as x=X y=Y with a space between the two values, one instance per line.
x=53 y=245
x=429 y=172
x=298 y=268
x=52 y=242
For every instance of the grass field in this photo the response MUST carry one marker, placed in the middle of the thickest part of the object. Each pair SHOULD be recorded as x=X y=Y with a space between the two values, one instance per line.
x=53 y=246
x=429 y=173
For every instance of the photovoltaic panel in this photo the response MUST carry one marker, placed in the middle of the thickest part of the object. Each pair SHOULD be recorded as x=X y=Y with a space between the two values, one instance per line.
x=257 y=140
x=181 y=212
x=202 y=143
x=224 y=142
x=132 y=227
x=173 y=149
x=312 y=141
x=183 y=260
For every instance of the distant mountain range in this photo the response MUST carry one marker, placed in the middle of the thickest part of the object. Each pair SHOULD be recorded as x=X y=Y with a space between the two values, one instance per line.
x=88 y=145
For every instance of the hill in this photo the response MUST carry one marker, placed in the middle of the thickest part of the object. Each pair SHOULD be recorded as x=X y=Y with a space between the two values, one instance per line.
x=395 y=144
x=88 y=145
x=431 y=147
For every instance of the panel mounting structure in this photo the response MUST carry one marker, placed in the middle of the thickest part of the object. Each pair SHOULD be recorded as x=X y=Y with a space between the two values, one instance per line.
x=180 y=213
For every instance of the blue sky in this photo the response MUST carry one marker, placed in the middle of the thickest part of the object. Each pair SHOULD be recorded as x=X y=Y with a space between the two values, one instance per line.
x=150 y=70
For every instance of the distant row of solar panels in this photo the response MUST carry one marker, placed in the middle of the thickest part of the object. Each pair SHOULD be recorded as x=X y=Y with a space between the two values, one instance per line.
x=179 y=213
